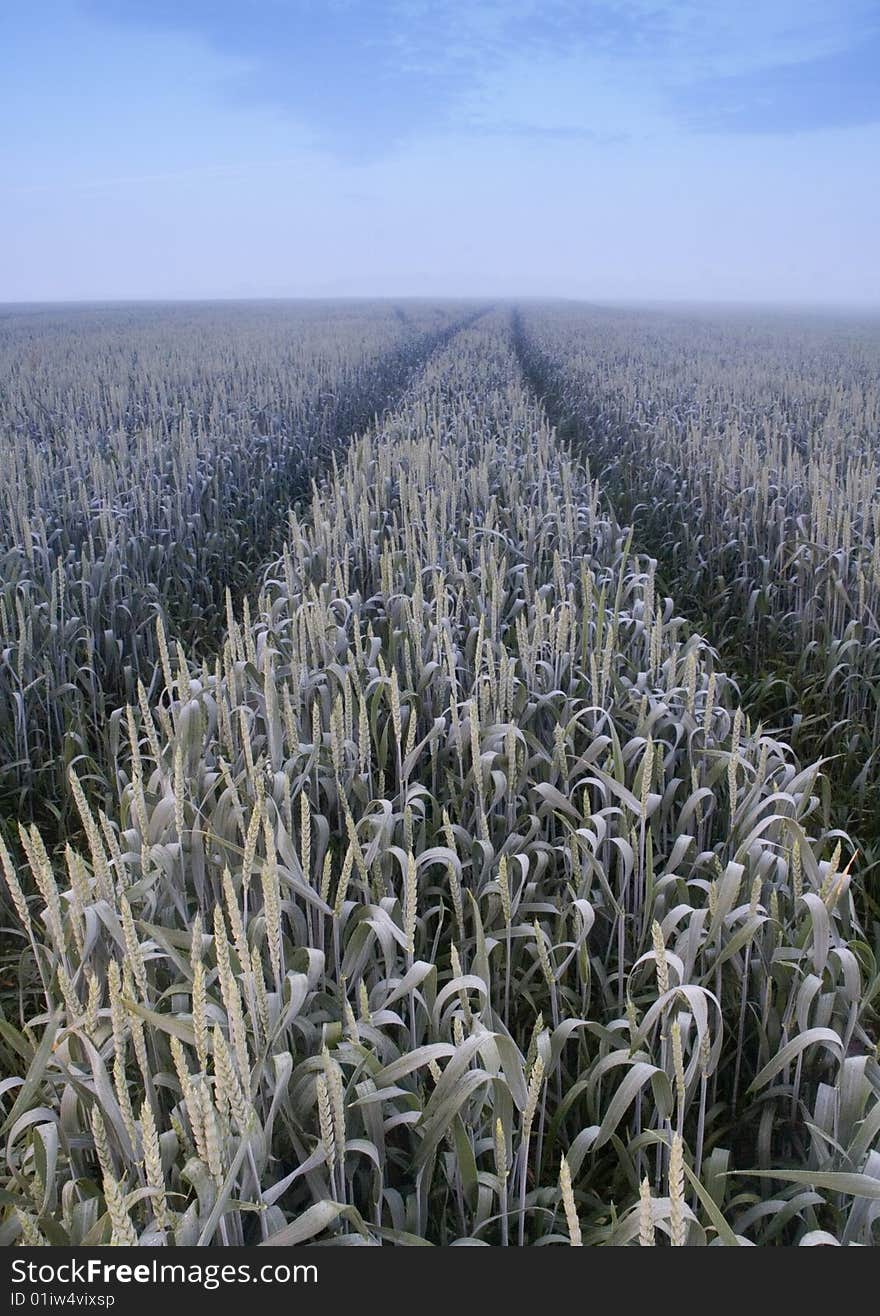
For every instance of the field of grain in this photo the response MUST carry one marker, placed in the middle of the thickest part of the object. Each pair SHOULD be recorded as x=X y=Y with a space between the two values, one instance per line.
x=438 y=754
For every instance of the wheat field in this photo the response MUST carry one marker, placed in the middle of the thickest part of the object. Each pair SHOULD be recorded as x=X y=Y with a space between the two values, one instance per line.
x=392 y=855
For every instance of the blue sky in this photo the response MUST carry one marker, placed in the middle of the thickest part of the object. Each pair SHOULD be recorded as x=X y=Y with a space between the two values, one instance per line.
x=609 y=149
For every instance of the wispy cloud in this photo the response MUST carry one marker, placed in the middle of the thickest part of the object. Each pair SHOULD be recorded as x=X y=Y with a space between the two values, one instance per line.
x=365 y=78
x=119 y=182
x=550 y=132
x=834 y=91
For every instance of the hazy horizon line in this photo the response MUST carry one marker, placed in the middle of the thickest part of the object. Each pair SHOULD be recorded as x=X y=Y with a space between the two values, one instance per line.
x=492 y=298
